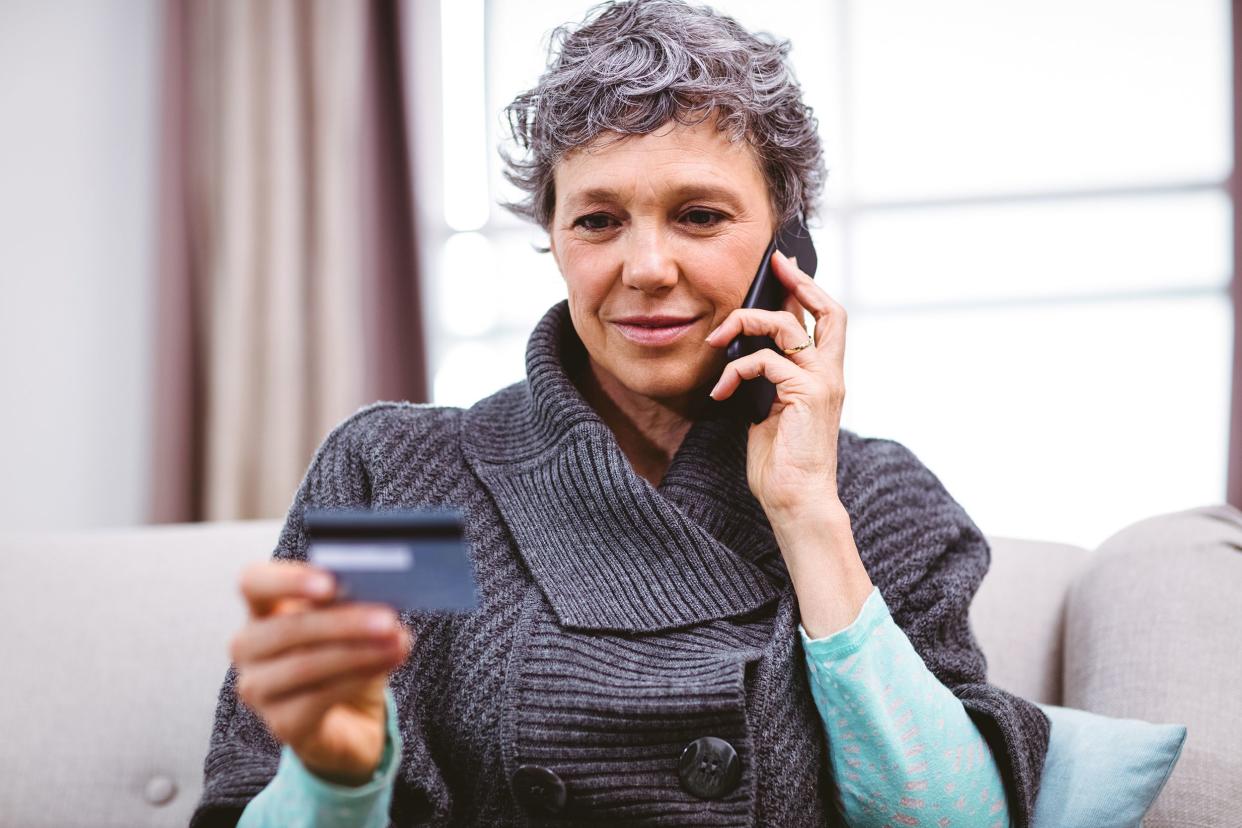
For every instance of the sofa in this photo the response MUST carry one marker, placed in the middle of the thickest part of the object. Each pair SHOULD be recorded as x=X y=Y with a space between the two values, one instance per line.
x=113 y=644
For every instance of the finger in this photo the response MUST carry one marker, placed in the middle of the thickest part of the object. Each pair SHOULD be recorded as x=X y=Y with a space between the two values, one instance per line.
x=803 y=288
x=276 y=634
x=264 y=584
x=782 y=326
x=295 y=717
x=266 y=681
x=791 y=302
x=764 y=363
x=830 y=316
x=793 y=306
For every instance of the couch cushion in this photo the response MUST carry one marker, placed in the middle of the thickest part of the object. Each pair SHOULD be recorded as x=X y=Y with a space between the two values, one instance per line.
x=113 y=645
x=1017 y=615
x=1152 y=633
x=1103 y=772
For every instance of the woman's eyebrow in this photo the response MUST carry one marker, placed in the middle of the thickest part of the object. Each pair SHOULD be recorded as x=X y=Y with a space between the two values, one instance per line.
x=584 y=197
x=711 y=192
x=679 y=192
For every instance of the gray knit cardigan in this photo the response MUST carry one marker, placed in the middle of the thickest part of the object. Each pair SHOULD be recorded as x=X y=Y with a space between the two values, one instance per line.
x=621 y=621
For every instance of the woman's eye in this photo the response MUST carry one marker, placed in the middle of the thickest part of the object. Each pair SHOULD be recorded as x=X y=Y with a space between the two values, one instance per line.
x=589 y=222
x=703 y=218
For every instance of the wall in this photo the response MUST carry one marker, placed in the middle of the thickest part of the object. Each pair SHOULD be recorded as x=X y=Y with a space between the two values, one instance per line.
x=78 y=141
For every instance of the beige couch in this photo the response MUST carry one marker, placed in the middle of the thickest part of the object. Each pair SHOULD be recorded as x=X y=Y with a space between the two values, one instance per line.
x=113 y=645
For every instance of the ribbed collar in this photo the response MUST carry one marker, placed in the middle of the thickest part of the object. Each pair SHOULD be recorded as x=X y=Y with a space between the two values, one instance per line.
x=609 y=550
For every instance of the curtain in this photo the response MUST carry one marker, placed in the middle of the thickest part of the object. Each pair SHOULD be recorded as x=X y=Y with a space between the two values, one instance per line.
x=288 y=291
x=1233 y=495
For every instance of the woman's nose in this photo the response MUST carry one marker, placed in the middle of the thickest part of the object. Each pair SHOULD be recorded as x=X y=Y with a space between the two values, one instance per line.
x=649 y=263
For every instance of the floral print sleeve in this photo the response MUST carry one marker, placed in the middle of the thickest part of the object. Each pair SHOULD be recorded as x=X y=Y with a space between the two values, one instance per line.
x=297 y=798
x=903 y=749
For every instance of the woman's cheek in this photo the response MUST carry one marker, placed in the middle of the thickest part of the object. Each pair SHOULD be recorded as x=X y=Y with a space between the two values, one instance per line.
x=728 y=284
x=589 y=276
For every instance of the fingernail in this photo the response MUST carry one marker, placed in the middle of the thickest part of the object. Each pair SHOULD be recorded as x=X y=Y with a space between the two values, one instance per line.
x=321 y=585
x=710 y=335
x=379 y=622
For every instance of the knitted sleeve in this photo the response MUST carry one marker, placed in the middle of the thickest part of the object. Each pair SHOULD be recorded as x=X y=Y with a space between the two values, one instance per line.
x=902 y=747
x=928 y=558
x=243 y=755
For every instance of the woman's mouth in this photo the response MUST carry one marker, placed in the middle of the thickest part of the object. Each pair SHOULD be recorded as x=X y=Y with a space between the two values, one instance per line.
x=654 y=333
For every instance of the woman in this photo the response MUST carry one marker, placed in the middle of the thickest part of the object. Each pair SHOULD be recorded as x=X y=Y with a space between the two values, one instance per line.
x=685 y=619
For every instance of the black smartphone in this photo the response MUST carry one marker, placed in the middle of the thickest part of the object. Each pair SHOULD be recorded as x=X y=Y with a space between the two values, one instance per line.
x=754 y=398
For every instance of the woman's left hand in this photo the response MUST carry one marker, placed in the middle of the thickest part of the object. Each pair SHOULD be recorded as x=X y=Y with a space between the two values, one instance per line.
x=791 y=459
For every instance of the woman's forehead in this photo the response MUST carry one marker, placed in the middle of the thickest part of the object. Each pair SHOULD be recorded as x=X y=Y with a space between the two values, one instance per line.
x=682 y=189
x=698 y=161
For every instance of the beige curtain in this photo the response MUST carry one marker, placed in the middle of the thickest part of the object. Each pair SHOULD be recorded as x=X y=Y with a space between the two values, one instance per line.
x=288 y=292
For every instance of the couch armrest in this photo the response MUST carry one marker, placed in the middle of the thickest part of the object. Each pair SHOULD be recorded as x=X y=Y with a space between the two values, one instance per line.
x=1153 y=627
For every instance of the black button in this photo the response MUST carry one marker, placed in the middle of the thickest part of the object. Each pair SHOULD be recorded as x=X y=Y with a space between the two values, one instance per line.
x=709 y=768
x=539 y=790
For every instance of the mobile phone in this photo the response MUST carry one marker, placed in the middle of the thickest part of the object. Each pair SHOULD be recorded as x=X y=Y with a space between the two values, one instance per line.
x=410 y=559
x=754 y=398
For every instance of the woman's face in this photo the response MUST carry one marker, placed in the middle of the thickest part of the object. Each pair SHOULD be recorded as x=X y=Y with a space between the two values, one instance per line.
x=672 y=223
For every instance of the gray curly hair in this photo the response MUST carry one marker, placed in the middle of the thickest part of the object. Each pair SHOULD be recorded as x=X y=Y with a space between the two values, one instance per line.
x=631 y=67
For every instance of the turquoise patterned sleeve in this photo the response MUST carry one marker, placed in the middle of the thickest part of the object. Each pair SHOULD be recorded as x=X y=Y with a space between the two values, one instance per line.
x=904 y=751
x=298 y=798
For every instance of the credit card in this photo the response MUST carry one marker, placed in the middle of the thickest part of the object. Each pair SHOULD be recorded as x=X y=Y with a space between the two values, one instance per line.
x=410 y=559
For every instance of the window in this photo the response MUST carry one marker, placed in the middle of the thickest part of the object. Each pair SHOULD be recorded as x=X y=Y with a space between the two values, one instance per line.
x=1026 y=218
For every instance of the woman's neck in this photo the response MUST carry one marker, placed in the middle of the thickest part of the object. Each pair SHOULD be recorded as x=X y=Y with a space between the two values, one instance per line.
x=648 y=431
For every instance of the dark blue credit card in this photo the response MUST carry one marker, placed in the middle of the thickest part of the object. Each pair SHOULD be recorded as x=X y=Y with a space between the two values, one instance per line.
x=411 y=559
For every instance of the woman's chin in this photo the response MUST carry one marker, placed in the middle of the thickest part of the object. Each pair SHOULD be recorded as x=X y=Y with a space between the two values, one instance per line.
x=671 y=380
x=673 y=389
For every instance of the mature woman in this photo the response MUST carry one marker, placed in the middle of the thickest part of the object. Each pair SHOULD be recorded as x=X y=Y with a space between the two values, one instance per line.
x=685 y=619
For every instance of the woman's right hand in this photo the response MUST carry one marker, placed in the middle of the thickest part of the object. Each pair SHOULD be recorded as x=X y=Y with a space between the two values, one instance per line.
x=315 y=671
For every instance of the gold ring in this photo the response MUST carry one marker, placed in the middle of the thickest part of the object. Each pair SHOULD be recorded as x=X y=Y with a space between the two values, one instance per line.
x=809 y=343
